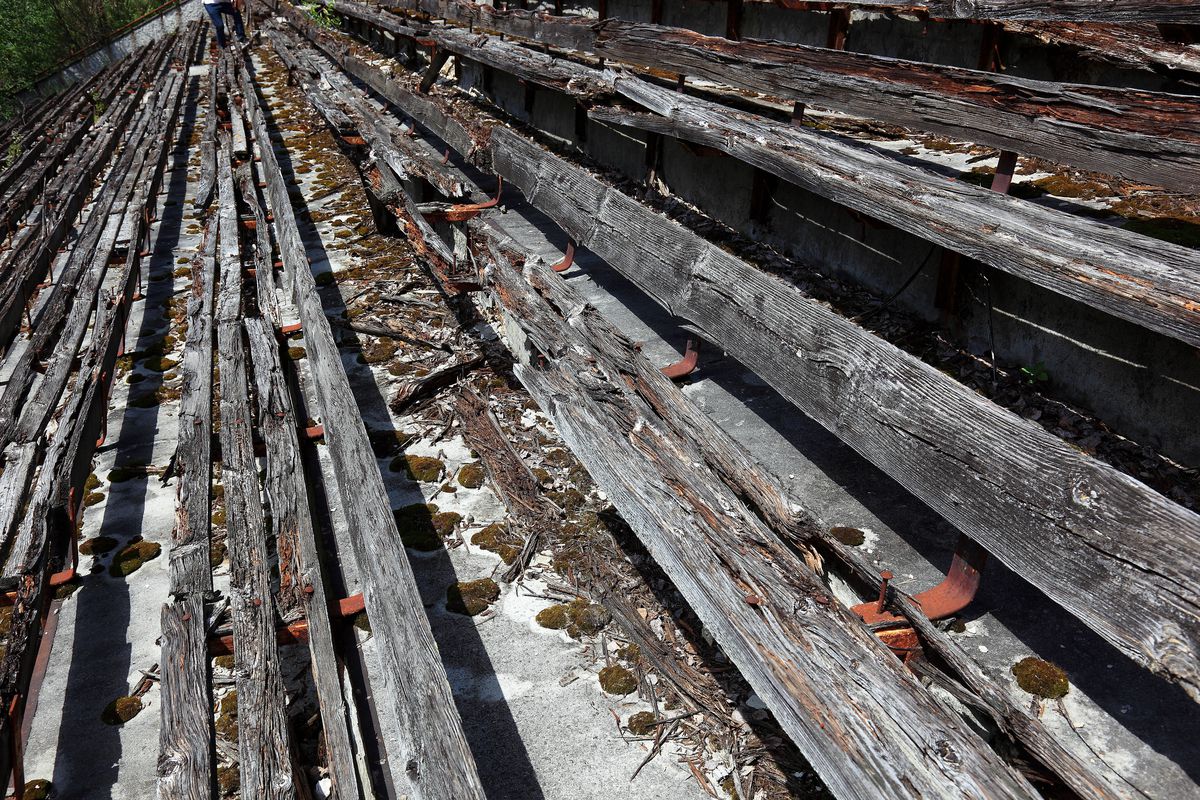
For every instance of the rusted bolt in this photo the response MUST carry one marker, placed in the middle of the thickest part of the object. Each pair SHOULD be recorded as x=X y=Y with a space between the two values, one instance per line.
x=887 y=576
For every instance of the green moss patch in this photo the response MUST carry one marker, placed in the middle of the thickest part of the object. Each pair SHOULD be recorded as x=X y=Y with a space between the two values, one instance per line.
x=420 y=468
x=1041 y=678
x=618 y=680
x=553 y=617
x=323 y=278
x=297 y=353
x=362 y=621
x=378 y=353
x=127 y=473
x=93 y=498
x=1176 y=231
x=497 y=539
x=38 y=789
x=132 y=557
x=472 y=597
x=848 y=536
x=578 y=618
x=416 y=527
x=216 y=553
x=227 y=716
x=229 y=779
x=471 y=475
x=97 y=545
x=121 y=710
x=224 y=662
x=641 y=723
x=65 y=590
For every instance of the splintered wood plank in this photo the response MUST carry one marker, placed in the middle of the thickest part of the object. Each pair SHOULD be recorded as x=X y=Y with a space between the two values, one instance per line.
x=1146 y=281
x=431 y=759
x=1113 y=552
x=185 y=748
x=263 y=741
x=302 y=584
x=862 y=720
x=1139 y=135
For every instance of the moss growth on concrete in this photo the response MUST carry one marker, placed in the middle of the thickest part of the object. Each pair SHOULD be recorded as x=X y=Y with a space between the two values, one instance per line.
x=6 y=613
x=97 y=545
x=379 y=352
x=1041 y=678
x=1066 y=186
x=121 y=710
x=471 y=475
x=362 y=621
x=423 y=469
x=91 y=483
x=586 y=618
x=229 y=779
x=224 y=662
x=553 y=617
x=387 y=443
x=93 y=498
x=126 y=473
x=297 y=353
x=444 y=522
x=65 y=590
x=558 y=457
x=618 y=680
x=416 y=527
x=218 y=516
x=497 y=539
x=159 y=363
x=131 y=558
x=641 y=723
x=216 y=553
x=38 y=789
x=324 y=278
x=848 y=536
x=543 y=477
x=472 y=597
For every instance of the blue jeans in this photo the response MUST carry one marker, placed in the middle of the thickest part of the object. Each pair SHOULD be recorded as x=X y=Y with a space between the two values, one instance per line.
x=215 y=10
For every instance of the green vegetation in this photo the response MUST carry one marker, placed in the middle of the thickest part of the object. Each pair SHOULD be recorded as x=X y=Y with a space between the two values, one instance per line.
x=39 y=34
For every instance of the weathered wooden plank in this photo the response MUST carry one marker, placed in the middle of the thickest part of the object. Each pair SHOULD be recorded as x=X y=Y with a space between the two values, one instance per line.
x=1134 y=277
x=1105 y=547
x=1075 y=539
x=1143 y=136
x=263 y=740
x=1125 y=274
x=1108 y=11
x=185 y=749
x=432 y=760
x=863 y=722
x=302 y=584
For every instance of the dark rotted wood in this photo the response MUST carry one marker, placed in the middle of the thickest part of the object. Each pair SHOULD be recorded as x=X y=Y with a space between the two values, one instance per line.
x=1134 y=46
x=431 y=759
x=530 y=65
x=571 y=33
x=1107 y=11
x=208 y=144
x=19 y=463
x=528 y=511
x=764 y=494
x=26 y=265
x=302 y=584
x=1143 y=280
x=189 y=554
x=1074 y=539
x=263 y=741
x=185 y=760
x=862 y=720
x=1144 y=136
x=1128 y=275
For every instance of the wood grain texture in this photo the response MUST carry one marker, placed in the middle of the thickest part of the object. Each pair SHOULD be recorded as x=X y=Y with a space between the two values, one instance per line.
x=302 y=583
x=431 y=760
x=1143 y=136
x=265 y=766
x=185 y=749
x=1131 y=276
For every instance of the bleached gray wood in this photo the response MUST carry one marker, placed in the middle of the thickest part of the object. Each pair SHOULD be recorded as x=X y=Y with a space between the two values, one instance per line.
x=432 y=760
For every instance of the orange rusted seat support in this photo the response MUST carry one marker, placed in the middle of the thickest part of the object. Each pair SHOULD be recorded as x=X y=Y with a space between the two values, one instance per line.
x=686 y=365
x=461 y=212
x=567 y=260
x=946 y=599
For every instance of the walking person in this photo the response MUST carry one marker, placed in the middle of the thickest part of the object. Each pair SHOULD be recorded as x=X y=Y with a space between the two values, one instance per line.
x=217 y=8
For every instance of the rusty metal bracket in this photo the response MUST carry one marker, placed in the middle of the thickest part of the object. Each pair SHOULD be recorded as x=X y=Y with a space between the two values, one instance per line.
x=461 y=212
x=567 y=260
x=686 y=365
x=946 y=599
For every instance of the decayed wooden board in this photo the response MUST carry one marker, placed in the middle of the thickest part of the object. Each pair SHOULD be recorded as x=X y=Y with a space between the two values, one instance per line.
x=1105 y=547
x=263 y=749
x=1134 y=277
x=1102 y=545
x=185 y=748
x=296 y=543
x=863 y=722
x=433 y=760
x=1131 y=276
x=1144 y=136
x=1109 y=11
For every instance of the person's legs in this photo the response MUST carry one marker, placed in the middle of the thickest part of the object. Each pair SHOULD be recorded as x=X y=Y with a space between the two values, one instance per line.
x=214 y=13
x=229 y=8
